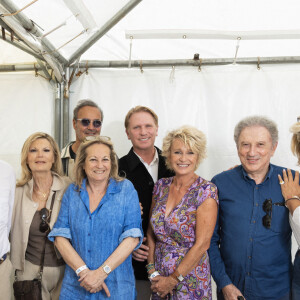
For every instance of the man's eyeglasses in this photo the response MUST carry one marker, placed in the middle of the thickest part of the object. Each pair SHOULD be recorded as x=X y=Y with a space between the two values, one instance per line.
x=267 y=207
x=44 y=226
x=86 y=122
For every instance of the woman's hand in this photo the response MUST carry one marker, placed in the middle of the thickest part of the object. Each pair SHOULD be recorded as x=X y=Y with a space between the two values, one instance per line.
x=93 y=281
x=163 y=285
x=289 y=187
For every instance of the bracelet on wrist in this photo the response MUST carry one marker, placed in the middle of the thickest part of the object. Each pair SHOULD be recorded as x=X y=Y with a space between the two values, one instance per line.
x=150 y=267
x=152 y=275
x=292 y=198
x=81 y=269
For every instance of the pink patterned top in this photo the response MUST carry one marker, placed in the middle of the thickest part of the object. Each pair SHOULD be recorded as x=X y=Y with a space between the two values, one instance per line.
x=175 y=235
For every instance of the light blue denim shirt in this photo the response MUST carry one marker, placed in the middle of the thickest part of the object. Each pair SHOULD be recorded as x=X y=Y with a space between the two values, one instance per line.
x=95 y=236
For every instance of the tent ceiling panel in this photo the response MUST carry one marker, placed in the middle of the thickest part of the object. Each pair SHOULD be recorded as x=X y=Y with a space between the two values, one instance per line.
x=231 y=15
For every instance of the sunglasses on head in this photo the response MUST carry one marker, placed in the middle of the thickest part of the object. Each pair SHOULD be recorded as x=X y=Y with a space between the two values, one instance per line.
x=44 y=226
x=267 y=207
x=86 y=122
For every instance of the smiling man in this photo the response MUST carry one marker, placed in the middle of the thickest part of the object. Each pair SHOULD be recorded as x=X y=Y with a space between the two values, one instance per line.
x=250 y=251
x=143 y=166
x=87 y=121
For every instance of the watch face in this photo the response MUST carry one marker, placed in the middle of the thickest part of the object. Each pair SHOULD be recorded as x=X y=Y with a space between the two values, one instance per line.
x=180 y=277
x=107 y=269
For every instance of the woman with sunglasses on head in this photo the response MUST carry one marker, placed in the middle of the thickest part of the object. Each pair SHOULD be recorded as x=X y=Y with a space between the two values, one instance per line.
x=98 y=227
x=291 y=192
x=37 y=201
x=184 y=214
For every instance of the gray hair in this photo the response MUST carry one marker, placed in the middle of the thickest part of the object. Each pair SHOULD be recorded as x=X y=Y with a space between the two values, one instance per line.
x=256 y=121
x=83 y=103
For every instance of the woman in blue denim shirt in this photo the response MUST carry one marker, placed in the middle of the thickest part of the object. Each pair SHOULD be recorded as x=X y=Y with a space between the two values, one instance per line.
x=98 y=227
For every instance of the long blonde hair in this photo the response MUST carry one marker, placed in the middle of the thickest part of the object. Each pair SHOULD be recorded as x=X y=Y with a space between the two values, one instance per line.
x=26 y=174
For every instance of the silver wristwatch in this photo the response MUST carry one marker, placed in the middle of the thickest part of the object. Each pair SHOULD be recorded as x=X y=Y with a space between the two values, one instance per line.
x=106 y=269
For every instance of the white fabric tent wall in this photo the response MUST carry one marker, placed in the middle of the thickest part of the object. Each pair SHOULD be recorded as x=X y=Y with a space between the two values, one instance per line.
x=213 y=100
x=26 y=106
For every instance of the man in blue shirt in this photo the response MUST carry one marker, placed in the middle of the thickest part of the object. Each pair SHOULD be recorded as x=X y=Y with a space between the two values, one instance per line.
x=250 y=251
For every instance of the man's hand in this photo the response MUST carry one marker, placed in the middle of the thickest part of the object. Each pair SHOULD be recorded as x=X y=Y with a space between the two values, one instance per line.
x=230 y=292
x=142 y=253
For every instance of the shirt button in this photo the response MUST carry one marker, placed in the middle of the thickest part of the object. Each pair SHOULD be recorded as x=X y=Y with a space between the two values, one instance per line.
x=256 y=204
x=90 y=217
x=89 y=234
x=256 y=188
x=248 y=273
x=253 y=221
x=24 y=242
x=250 y=239
x=34 y=205
x=26 y=222
x=249 y=257
x=89 y=251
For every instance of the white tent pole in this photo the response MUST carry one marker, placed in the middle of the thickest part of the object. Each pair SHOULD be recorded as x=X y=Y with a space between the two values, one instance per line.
x=106 y=27
x=65 y=109
x=33 y=29
x=57 y=115
x=189 y=62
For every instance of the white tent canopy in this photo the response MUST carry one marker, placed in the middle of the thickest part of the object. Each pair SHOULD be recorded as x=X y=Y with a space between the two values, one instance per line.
x=263 y=80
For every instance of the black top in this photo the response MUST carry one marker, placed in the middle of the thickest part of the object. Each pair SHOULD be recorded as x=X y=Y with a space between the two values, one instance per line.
x=134 y=170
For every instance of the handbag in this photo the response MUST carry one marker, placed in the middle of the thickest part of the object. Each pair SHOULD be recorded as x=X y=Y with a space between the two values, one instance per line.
x=32 y=289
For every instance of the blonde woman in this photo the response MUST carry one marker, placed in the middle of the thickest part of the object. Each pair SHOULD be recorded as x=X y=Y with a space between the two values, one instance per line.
x=291 y=192
x=40 y=184
x=184 y=213
x=98 y=227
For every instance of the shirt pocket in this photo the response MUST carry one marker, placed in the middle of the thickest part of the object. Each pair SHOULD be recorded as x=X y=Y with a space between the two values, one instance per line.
x=280 y=219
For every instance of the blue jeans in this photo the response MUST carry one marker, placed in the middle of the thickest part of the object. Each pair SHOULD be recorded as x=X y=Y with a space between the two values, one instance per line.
x=296 y=277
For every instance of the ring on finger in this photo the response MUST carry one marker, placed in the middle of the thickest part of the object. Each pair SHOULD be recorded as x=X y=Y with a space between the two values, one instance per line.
x=281 y=182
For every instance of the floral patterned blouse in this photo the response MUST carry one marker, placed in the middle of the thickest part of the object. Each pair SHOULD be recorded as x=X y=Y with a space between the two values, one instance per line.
x=175 y=235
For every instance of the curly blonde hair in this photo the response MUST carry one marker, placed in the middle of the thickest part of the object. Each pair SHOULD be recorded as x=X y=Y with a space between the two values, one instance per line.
x=295 y=142
x=191 y=137
x=26 y=174
x=82 y=154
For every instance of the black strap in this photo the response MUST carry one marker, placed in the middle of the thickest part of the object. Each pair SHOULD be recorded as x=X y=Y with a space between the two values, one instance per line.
x=43 y=254
x=65 y=162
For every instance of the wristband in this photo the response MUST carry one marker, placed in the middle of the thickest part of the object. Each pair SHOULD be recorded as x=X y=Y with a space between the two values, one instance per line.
x=292 y=198
x=81 y=269
x=154 y=274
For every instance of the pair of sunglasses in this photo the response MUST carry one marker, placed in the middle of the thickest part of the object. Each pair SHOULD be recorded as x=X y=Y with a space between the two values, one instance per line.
x=267 y=207
x=45 y=214
x=86 y=122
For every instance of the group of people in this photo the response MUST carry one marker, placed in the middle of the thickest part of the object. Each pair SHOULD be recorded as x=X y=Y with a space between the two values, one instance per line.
x=146 y=225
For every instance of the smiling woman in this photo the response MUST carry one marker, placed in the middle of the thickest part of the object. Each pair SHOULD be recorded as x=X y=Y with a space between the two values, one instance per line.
x=37 y=203
x=184 y=212
x=98 y=227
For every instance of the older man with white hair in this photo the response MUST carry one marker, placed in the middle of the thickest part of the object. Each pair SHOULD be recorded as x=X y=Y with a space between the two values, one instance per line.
x=250 y=251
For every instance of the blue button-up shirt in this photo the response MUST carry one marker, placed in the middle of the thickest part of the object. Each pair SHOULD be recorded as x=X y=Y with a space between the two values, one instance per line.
x=243 y=251
x=95 y=236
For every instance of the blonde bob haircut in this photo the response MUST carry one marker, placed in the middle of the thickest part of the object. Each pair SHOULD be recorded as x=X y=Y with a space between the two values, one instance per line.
x=81 y=156
x=295 y=142
x=137 y=109
x=26 y=174
x=191 y=137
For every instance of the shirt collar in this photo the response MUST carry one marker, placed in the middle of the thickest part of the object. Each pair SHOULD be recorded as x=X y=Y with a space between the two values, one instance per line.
x=247 y=177
x=155 y=158
x=113 y=186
